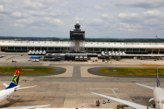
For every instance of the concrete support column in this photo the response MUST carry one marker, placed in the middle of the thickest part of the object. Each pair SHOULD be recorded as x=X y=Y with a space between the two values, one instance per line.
x=159 y=51
x=152 y=51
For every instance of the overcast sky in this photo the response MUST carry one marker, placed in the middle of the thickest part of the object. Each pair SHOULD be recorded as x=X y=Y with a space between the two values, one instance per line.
x=99 y=18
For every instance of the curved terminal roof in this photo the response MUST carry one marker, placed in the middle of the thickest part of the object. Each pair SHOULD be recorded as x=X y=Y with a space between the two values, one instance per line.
x=10 y=43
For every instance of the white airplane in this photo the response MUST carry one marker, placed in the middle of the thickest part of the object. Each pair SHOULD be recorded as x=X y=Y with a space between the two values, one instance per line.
x=158 y=97
x=11 y=88
x=158 y=94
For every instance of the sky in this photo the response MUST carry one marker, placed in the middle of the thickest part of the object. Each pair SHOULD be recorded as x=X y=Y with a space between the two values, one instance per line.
x=99 y=18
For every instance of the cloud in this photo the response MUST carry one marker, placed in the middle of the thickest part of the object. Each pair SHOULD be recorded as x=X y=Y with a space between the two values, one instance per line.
x=146 y=4
x=53 y=21
x=105 y=16
x=130 y=17
x=23 y=22
x=146 y=15
x=95 y=22
x=126 y=15
x=147 y=20
x=33 y=22
x=40 y=4
x=79 y=19
x=98 y=17
x=1 y=8
x=18 y=14
x=128 y=27
x=99 y=7
x=33 y=4
x=153 y=13
x=33 y=13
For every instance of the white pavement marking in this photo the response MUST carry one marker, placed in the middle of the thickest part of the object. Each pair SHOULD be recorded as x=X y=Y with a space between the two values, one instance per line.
x=115 y=93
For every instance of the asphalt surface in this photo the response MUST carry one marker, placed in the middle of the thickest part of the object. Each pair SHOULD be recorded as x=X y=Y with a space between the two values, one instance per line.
x=76 y=72
x=73 y=88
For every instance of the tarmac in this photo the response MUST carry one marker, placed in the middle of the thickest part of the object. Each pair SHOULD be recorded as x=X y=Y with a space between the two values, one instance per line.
x=73 y=88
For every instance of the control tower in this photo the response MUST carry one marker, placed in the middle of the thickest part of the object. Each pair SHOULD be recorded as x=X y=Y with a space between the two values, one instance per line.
x=77 y=37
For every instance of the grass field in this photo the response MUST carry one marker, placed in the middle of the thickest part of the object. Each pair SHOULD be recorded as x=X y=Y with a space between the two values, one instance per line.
x=27 y=70
x=130 y=72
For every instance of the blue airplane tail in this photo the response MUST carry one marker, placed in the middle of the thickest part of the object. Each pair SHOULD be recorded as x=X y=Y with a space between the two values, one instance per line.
x=15 y=79
x=158 y=81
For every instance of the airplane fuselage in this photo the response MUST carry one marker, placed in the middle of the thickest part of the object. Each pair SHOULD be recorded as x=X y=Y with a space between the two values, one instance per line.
x=159 y=97
x=6 y=93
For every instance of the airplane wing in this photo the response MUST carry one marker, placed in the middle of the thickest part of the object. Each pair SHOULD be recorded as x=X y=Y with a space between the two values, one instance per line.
x=131 y=104
x=19 y=88
x=27 y=107
x=149 y=87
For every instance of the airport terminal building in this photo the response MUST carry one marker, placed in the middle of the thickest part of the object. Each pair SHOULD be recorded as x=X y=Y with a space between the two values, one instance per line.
x=77 y=44
x=90 y=47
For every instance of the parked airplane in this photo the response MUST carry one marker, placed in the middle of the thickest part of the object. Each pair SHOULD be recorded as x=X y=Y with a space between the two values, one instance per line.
x=157 y=92
x=11 y=88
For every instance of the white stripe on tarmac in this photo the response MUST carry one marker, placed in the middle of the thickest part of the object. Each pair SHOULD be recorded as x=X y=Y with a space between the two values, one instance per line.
x=115 y=93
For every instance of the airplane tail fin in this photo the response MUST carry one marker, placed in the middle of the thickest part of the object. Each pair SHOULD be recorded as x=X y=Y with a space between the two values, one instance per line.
x=158 y=81
x=15 y=79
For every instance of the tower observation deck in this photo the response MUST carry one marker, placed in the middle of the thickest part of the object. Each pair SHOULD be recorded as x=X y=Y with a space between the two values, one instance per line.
x=77 y=37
